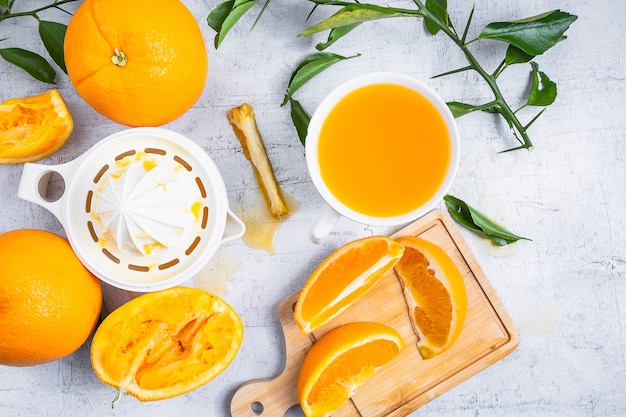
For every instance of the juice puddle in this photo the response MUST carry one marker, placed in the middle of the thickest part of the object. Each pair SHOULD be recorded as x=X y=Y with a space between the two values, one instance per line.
x=384 y=150
x=261 y=227
x=215 y=275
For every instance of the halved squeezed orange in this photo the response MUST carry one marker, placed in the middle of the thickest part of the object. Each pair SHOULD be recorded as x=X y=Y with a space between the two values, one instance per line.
x=33 y=128
x=166 y=343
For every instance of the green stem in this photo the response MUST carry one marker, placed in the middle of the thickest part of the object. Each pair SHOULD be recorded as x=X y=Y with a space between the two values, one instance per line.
x=408 y=12
x=502 y=106
x=34 y=12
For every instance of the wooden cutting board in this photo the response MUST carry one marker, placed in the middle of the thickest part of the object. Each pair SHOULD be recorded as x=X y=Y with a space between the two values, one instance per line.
x=408 y=381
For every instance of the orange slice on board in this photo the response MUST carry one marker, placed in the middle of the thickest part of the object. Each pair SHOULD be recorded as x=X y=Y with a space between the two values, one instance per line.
x=341 y=361
x=435 y=295
x=166 y=343
x=343 y=277
x=32 y=128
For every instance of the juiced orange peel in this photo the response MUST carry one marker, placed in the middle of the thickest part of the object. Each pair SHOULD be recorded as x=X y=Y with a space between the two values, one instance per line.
x=32 y=128
x=243 y=122
x=166 y=343
x=435 y=294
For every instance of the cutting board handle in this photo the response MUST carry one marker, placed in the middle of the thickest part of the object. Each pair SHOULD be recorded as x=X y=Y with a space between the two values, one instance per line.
x=274 y=396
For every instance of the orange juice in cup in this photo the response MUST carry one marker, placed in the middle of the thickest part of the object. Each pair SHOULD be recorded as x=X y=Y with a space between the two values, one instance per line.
x=382 y=149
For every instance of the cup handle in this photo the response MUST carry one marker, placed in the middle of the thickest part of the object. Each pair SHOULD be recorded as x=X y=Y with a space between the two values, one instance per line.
x=234 y=228
x=34 y=182
x=324 y=225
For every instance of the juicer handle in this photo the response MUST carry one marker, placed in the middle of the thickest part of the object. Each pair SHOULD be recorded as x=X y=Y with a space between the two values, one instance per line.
x=234 y=228
x=34 y=183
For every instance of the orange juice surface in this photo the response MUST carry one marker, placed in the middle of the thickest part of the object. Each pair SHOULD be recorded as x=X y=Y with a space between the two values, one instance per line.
x=384 y=150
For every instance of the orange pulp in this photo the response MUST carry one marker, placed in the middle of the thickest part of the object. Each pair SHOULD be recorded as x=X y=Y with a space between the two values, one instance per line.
x=384 y=150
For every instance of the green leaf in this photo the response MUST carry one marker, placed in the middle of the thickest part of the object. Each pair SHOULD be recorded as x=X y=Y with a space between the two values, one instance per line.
x=53 y=35
x=354 y=14
x=300 y=118
x=335 y=34
x=308 y=68
x=30 y=62
x=515 y=55
x=543 y=91
x=439 y=10
x=534 y=35
x=479 y=223
x=5 y=4
x=459 y=109
x=224 y=16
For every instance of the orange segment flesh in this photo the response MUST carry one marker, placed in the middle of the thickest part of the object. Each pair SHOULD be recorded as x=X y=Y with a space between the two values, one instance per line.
x=343 y=277
x=435 y=295
x=341 y=361
x=33 y=128
x=166 y=343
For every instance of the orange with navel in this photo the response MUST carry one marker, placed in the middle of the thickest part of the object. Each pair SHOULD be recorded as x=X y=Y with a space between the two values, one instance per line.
x=435 y=294
x=49 y=302
x=139 y=63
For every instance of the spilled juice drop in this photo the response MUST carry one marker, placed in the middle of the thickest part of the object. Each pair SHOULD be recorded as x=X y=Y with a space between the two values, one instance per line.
x=214 y=277
x=261 y=227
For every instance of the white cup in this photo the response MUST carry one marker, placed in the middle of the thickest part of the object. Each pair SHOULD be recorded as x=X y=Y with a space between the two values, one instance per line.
x=335 y=208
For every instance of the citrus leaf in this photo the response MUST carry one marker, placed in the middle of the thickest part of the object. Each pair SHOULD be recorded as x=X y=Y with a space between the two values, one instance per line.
x=53 y=34
x=479 y=223
x=514 y=55
x=534 y=35
x=353 y=14
x=335 y=34
x=300 y=118
x=459 y=109
x=309 y=67
x=224 y=16
x=543 y=91
x=439 y=8
x=30 y=62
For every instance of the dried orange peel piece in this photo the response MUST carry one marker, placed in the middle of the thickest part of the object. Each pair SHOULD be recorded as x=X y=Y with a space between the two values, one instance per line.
x=166 y=343
x=244 y=125
x=435 y=295
x=341 y=361
x=32 y=128
x=343 y=277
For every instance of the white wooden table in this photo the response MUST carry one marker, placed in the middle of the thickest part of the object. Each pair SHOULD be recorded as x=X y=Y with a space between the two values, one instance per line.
x=565 y=290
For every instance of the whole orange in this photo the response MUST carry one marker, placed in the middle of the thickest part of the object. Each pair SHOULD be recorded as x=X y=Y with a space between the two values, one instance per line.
x=49 y=302
x=137 y=62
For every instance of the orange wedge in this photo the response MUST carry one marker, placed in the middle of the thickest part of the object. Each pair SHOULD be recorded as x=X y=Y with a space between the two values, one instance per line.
x=33 y=128
x=341 y=361
x=435 y=295
x=343 y=277
x=166 y=343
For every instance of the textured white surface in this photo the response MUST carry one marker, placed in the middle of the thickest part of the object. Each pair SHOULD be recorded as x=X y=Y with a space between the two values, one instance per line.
x=565 y=290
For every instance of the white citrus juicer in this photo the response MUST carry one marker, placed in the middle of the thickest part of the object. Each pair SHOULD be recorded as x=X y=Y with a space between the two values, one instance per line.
x=144 y=209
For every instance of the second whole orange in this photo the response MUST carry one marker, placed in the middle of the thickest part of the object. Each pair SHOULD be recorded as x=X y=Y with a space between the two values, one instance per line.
x=136 y=62
x=49 y=302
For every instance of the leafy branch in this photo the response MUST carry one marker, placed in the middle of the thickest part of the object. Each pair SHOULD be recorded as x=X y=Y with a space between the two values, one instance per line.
x=526 y=39
x=52 y=35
